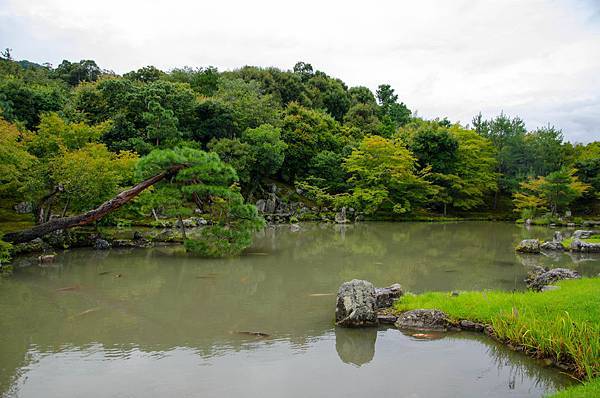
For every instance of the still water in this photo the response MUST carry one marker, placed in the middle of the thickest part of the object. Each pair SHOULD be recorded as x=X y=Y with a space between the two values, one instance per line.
x=158 y=322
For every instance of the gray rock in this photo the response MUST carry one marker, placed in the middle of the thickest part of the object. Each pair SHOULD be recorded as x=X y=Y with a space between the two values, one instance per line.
x=101 y=244
x=385 y=296
x=529 y=246
x=356 y=304
x=570 y=224
x=261 y=204
x=549 y=288
x=470 y=325
x=23 y=208
x=387 y=318
x=340 y=217
x=540 y=277
x=423 y=320
x=295 y=227
x=46 y=258
x=555 y=243
x=552 y=245
x=581 y=246
x=584 y=234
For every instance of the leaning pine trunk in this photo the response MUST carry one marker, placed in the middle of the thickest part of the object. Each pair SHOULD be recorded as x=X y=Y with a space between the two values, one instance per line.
x=93 y=215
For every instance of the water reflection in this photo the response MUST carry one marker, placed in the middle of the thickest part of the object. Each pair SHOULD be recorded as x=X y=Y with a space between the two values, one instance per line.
x=166 y=307
x=355 y=346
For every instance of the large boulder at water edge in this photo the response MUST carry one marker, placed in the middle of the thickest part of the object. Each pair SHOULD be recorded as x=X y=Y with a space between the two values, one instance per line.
x=356 y=304
x=540 y=277
x=529 y=246
x=423 y=320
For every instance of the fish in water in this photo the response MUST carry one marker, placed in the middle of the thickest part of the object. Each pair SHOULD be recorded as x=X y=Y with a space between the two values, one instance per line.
x=104 y=273
x=320 y=294
x=118 y=275
x=206 y=276
x=88 y=311
x=259 y=254
x=423 y=335
x=69 y=288
x=255 y=334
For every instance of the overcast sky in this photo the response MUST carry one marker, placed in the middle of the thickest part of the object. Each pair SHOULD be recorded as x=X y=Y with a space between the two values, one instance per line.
x=536 y=59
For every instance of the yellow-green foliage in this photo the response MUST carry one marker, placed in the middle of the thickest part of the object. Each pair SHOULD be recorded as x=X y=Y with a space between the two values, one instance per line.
x=563 y=324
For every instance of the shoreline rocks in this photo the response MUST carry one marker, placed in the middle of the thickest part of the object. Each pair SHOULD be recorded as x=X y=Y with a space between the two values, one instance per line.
x=540 y=278
x=531 y=246
x=421 y=319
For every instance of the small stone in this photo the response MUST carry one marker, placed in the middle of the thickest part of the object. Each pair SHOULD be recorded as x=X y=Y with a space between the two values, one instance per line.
x=387 y=318
x=46 y=258
x=470 y=325
x=101 y=244
x=385 y=296
x=423 y=320
x=549 y=288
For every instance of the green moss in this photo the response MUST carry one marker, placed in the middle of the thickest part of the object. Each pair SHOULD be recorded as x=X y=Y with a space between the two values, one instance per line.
x=562 y=324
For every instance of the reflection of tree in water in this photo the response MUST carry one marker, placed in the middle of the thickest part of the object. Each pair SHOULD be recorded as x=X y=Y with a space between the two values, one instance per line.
x=355 y=346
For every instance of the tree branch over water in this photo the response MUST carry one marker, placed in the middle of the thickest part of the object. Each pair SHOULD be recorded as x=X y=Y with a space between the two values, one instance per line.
x=93 y=215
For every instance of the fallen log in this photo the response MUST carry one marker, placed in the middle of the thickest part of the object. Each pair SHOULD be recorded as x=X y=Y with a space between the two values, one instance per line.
x=92 y=215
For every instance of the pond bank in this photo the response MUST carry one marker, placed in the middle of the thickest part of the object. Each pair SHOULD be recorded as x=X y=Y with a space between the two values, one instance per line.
x=561 y=326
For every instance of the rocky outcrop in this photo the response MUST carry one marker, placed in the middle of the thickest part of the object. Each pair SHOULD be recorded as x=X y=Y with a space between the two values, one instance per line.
x=540 y=277
x=23 y=208
x=385 y=296
x=529 y=246
x=584 y=234
x=585 y=247
x=555 y=243
x=101 y=244
x=191 y=222
x=356 y=304
x=423 y=320
x=340 y=216
x=46 y=258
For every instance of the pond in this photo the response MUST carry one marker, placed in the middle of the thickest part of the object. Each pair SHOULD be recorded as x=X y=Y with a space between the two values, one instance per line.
x=158 y=322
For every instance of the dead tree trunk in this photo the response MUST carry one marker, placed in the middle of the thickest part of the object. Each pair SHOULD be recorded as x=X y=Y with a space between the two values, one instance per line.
x=93 y=215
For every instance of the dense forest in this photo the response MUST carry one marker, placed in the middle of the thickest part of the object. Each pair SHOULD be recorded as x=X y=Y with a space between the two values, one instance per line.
x=75 y=135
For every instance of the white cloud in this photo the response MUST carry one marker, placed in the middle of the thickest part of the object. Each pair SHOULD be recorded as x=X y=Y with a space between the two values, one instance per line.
x=538 y=59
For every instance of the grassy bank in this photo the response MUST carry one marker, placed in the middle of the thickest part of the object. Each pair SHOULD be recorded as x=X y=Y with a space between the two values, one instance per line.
x=592 y=239
x=563 y=325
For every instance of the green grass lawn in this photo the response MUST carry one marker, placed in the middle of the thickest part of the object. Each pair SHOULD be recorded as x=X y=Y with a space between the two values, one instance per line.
x=562 y=324
x=588 y=390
